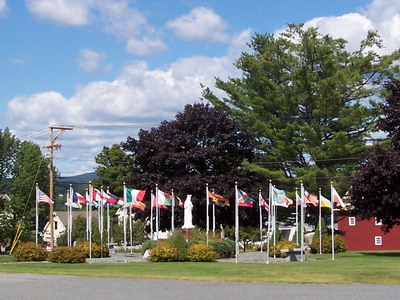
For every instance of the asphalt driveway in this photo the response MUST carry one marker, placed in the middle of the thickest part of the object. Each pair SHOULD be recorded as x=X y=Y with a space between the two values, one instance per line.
x=43 y=287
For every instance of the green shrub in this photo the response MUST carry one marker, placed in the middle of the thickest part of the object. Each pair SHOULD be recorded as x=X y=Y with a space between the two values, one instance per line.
x=65 y=254
x=96 y=249
x=29 y=251
x=201 y=252
x=282 y=244
x=224 y=248
x=326 y=245
x=147 y=245
x=180 y=243
x=164 y=252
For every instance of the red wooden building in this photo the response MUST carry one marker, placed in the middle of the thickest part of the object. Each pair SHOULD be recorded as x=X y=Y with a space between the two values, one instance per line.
x=362 y=235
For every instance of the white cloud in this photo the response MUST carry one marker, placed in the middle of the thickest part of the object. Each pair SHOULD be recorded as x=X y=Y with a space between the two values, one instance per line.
x=200 y=24
x=62 y=12
x=381 y=15
x=145 y=46
x=3 y=7
x=91 y=62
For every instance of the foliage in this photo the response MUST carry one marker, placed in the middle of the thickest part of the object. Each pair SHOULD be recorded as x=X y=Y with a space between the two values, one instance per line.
x=202 y=145
x=96 y=249
x=147 y=245
x=324 y=230
x=113 y=168
x=309 y=101
x=179 y=242
x=163 y=253
x=29 y=251
x=9 y=145
x=139 y=234
x=282 y=244
x=201 y=252
x=374 y=192
x=29 y=166
x=326 y=245
x=67 y=255
x=224 y=248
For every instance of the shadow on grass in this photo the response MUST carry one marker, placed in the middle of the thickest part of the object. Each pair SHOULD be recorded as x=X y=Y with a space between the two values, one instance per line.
x=380 y=253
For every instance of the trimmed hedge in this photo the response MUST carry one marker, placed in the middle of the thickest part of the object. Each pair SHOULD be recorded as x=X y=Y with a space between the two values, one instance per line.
x=224 y=248
x=163 y=253
x=326 y=245
x=29 y=251
x=282 y=244
x=96 y=249
x=65 y=254
x=201 y=252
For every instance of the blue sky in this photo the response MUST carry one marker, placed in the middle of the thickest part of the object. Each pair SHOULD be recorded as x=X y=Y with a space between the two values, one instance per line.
x=106 y=63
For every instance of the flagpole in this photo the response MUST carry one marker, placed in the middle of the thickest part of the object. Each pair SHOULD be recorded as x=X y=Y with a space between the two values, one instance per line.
x=236 y=225
x=332 y=224
x=274 y=208
x=101 y=222
x=151 y=215
x=37 y=214
x=69 y=216
x=319 y=222
x=302 y=222
x=108 y=219
x=87 y=214
x=90 y=220
x=207 y=218
x=261 y=227
x=124 y=210
x=297 y=217
x=269 y=218
x=213 y=220
x=157 y=211
x=173 y=211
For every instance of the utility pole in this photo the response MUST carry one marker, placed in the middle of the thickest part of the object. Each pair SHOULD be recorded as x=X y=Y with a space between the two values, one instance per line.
x=51 y=183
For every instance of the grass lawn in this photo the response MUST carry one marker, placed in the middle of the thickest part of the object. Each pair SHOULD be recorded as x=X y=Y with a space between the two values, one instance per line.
x=347 y=268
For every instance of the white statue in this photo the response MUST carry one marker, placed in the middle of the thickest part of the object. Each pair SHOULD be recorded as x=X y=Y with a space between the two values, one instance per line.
x=187 y=218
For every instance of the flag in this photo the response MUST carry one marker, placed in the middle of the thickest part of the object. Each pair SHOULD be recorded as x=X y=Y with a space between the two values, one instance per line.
x=263 y=203
x=325 y=202
x=71 y=203
x=244 y=200
x=97 y=196
x=78 y=198
x=180 y=202
x=310 y=198
x=337 y=199
x=218 y=199
x=285 y=202
x=113 y=199
x=135 y=197
x=43 y=198
x=299 y=200
x=278 y=195
x=162 y=200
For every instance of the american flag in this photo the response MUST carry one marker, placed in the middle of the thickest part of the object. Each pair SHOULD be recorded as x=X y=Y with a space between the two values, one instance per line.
x=43 y=198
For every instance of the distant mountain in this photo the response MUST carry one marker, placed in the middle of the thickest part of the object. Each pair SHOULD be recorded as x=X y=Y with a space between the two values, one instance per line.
x=77 y=179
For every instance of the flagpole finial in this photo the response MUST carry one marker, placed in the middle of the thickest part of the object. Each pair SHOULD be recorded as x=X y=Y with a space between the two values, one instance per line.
x=156 y=185
x=37 y=184
x=206 y=183
x=90 y=182
x=270 y=181
x=319 y=189
x=70 y=184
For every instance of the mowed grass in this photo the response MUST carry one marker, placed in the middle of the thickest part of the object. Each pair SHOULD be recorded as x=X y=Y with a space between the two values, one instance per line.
x=347 y=268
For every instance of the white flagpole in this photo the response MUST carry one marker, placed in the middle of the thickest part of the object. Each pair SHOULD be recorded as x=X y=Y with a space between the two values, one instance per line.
x=332 y=224
x=261 y=227
x=90 y=220
x=269 y=218
x=319 y=222
x=213 y=219
x=297 y=217
x=101 y=206
x=37 y=213
x=68 y=217
x=87 y=214
x=124 y=210
x=173 y=211
x=207 y=218
x=130 y=224
x=151 y=216
x=236 y=225
x=302 y=222
x=274 y=209
x=157 y=211
x=108 y=220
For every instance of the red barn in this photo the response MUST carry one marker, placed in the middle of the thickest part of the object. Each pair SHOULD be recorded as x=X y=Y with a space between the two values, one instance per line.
x=362 y=235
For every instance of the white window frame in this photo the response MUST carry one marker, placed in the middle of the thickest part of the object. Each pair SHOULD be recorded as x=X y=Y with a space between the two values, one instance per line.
x=378 y=223
x=352 y=221
x=378 y=240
